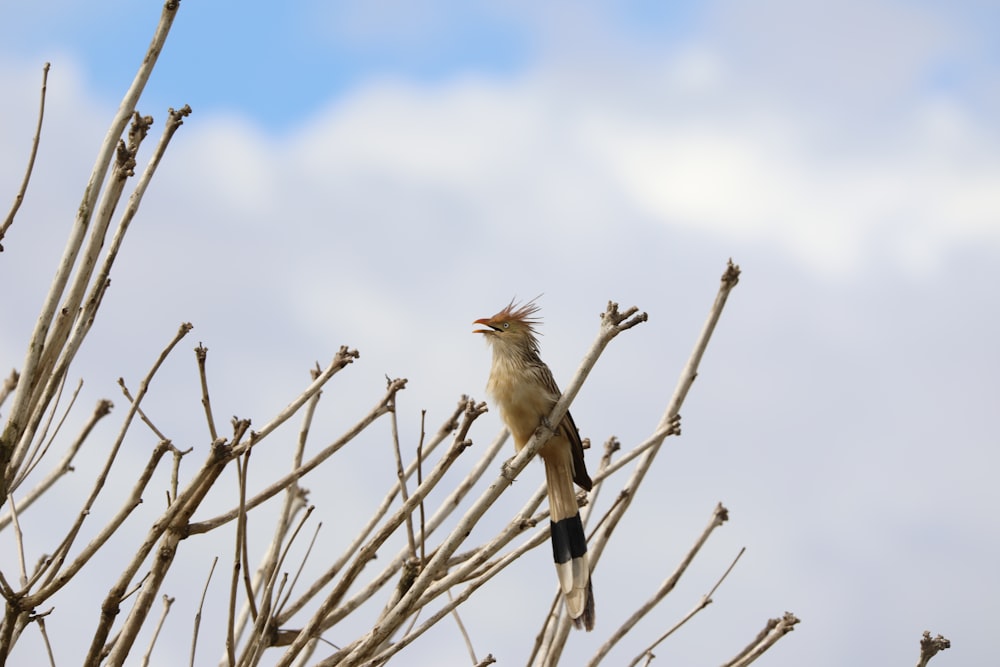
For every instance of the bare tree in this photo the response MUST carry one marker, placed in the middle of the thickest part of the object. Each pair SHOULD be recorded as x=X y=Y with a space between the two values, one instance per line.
x=270 y=611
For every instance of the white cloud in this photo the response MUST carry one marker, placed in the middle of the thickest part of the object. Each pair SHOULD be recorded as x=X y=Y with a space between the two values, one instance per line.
x=515 y=155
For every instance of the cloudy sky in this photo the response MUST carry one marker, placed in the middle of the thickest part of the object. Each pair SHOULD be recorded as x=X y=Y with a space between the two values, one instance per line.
x=380 y=174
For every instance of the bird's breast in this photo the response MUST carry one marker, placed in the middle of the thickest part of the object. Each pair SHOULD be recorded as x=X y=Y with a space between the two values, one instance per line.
x=522 y=399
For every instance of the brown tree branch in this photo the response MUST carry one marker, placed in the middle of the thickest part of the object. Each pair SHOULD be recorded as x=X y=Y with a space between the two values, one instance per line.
x=929 y=647
x=19 y=197
x=702 y=603
x=719 y=516
x=775 y=629
x=28 y=404
x=65 y=465
x=201 y=606
x=365 y=554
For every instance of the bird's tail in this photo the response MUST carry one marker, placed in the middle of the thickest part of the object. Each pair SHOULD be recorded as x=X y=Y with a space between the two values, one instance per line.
x=569 y=542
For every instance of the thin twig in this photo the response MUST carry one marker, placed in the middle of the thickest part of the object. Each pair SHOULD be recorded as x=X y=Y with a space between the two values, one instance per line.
x=64 y=466
x=35 y=456
x=60 y=553
x=19 y=197
x=241 y=473
x=139 y=411
x=282 y=483
x=669 y=422
x=201 y=606
x=201 y=354
x=298 y=572
x=237 y=565
x=167 y=601
x=341 y=360
x=294 y=501
x=704 y=602
x=9 y=385
x=319 y=618
x=462 y=630
x=175 y=470
x=400 y=473
x=265 y=618
x=55 y=342
x=420 y=480
x=19 y=539
x=40 y=620
x=719 y=516
x=539 y=538
x=165 y=534
x=470 y=411
x=63 y=343
x=459 y=444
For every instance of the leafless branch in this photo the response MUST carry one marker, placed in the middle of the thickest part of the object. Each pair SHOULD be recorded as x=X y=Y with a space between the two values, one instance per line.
x=52 y=326
x=54 y=582
x=40 y=621
x=281 y=484
x=167 y=601
x=201 y=353
x=65 y=465
x=9 y=385
x=470 y=411
x=19 y=197
x=365 y=554
x=19 y=539
x=702 y=603
x=44 y=440
x=201 y=606
x=341 y=360
x=719 y=516
x=929 y=647
x=775 y=629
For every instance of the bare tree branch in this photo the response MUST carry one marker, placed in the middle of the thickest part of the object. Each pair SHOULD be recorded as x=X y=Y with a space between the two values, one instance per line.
x=201 y=606
x=52 y=328
x=719 y=516
x=65 y=465
x=19 y=197
x=167 y=602
x=930 y=647
x=775 y=629
x=704 y=602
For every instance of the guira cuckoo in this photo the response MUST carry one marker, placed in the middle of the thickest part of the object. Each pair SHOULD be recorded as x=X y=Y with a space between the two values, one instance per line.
x=525 y=391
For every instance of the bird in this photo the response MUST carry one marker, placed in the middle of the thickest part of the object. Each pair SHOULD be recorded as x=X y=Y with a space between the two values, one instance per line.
x=524 y=390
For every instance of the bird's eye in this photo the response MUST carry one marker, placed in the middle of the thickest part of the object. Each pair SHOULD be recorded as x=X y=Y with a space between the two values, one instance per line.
x=506 y=325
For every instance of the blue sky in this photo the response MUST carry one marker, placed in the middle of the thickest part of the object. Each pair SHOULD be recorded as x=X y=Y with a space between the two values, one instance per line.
x=381 y=174
x=281 y=63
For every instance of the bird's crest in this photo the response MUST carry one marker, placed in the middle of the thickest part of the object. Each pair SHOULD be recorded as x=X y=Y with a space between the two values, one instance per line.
x=523 y=313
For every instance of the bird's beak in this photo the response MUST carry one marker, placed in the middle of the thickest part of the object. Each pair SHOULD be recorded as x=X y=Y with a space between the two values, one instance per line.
x=485 y=321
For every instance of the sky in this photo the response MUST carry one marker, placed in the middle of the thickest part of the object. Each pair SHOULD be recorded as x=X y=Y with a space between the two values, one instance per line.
x=381 y=174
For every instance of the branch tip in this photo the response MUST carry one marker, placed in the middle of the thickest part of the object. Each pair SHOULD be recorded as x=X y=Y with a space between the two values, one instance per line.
x=929 y=647
x=731 y=276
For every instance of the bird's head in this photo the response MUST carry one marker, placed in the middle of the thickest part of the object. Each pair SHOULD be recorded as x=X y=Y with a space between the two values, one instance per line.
x=514 y=326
